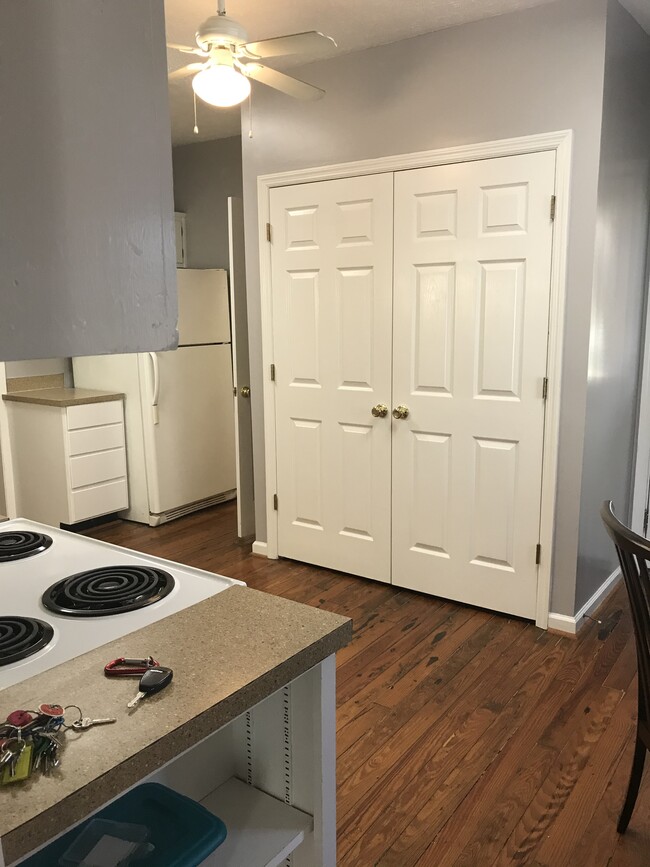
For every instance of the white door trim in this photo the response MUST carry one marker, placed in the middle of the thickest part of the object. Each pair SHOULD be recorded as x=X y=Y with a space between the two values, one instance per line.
x=7 y=465
x=561 y=143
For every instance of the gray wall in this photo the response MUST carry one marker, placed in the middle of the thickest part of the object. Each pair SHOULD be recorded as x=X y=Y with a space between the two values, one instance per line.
x=205 y=174
x=528 y=72
x=618 y=295
x=87 y=261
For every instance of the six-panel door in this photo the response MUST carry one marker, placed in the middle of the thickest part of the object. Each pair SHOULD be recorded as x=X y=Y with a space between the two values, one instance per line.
x=461 y=327
x=332 y=295
x=471 y=288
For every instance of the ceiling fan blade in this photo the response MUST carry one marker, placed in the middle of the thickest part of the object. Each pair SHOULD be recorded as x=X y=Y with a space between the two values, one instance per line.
x=185 y=71
x=311 y=42
x=187 y=49
x=279 y=81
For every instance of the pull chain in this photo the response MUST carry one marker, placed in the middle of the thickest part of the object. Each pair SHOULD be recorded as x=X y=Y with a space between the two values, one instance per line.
x=196 y=125
x=250 y=114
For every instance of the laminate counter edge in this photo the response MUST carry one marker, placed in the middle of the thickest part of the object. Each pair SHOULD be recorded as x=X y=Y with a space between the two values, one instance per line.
x=62 y=397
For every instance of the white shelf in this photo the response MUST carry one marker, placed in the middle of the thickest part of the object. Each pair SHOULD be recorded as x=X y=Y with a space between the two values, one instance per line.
x=262 y=831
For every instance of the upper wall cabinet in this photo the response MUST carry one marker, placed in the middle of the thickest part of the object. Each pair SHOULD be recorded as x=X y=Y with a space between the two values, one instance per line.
x=87 y=253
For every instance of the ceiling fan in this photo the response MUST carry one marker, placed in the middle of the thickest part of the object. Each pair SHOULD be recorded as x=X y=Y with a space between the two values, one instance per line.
x=230 y=62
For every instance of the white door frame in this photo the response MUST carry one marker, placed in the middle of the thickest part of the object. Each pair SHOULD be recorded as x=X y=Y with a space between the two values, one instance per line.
x=7 y=475
x=561 y=143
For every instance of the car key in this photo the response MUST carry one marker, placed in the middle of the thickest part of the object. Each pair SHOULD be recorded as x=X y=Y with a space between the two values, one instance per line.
x=153 y=680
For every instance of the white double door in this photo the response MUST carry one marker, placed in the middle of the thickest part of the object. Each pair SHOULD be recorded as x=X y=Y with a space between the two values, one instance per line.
x=425 y=290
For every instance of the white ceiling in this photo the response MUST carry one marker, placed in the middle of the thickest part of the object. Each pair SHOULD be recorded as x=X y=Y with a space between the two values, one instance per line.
x=354 y=24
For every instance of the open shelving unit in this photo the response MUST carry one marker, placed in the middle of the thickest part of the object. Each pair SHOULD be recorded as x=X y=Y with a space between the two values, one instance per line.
x=262 y=831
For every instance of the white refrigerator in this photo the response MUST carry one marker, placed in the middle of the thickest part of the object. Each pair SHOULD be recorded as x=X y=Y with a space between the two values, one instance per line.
x=179 y=409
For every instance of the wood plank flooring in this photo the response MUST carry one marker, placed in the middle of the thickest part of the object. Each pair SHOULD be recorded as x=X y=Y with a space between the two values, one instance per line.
x=464 y=737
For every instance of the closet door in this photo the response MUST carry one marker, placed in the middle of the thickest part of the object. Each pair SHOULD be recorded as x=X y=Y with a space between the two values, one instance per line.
x=472 y=278
x=332 y=320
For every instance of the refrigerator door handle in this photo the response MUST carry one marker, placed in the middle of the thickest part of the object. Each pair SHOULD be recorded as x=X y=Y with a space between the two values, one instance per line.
x=156 y=387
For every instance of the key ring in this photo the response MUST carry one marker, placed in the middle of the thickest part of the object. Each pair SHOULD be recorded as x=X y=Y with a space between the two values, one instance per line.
x=125 y=667
x=71 y=725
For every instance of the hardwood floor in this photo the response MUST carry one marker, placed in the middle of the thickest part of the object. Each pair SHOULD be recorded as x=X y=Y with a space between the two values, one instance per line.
x=464 y=738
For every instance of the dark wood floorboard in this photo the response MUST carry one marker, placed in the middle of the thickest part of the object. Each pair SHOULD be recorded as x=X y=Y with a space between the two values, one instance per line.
x=464 y=737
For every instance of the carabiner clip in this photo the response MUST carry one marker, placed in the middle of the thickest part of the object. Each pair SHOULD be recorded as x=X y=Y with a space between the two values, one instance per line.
x=125 y=667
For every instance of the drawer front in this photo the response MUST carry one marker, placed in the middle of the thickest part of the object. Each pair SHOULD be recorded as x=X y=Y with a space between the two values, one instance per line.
x=94 y=414
x=98 y=500
x=96 y=439
x=97 y=467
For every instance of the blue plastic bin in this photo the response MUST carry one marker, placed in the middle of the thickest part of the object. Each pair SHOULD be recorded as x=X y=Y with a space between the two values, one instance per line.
x=183 y=832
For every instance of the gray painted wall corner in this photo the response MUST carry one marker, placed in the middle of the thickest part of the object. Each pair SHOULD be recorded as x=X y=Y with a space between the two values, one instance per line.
x=619 y=295
x=205 y=174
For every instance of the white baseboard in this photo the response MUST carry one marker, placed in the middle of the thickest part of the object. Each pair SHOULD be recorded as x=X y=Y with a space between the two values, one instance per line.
x=260 y=548
x=571 y=625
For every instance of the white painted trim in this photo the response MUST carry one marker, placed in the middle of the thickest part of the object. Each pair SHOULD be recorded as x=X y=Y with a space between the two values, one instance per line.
x=554 y=373
x=270 y=447
x=562 y=623
x=5 y=450
x=422 y=159
x=561 y=143
x=572 y=625
x=326 y=734
x=261 y=549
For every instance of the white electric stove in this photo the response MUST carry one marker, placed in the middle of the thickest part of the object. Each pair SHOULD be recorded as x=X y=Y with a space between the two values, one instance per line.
x=62 y=594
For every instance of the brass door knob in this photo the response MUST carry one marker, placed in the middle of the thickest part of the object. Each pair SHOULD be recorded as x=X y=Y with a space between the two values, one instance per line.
x=380 y=411
x=401 y=412
x=245 y=391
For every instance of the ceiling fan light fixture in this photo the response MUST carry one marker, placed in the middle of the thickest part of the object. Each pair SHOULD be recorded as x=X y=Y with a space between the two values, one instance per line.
x=221 y=86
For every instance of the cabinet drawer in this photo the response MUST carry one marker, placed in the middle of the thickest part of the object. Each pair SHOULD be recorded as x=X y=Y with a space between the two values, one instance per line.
x=97 y=467
x=94 y=414
x=96 y=439
x=98 y=500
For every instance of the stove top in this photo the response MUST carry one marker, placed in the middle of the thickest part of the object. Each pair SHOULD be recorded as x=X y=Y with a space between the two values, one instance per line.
x=71 y=594
x=18 y=544
x=20 y=637
x=108 y=590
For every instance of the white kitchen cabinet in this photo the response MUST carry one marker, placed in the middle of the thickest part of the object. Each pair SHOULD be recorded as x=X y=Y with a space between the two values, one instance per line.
x=86 y=232
x=69 y=461
x=180 y=224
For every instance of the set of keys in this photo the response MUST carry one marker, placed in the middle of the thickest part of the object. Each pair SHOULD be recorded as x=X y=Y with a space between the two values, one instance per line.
x=29 y=740
x=153 y=677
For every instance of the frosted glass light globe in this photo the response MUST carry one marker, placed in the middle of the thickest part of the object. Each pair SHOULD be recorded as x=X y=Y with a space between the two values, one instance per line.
x=222 y=86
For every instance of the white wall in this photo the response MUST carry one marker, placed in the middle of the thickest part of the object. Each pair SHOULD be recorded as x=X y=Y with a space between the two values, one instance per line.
x=527 y=72
x=3 y=502
x=205 y=174
x=40 y=367
x=619 y=294
x=11 y=370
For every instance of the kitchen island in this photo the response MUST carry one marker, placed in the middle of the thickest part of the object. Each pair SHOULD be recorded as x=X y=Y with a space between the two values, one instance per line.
x=248 y=720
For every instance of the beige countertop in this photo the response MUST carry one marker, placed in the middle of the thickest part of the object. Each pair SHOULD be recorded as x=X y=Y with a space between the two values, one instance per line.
x=62 y=396
x=228 y=653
